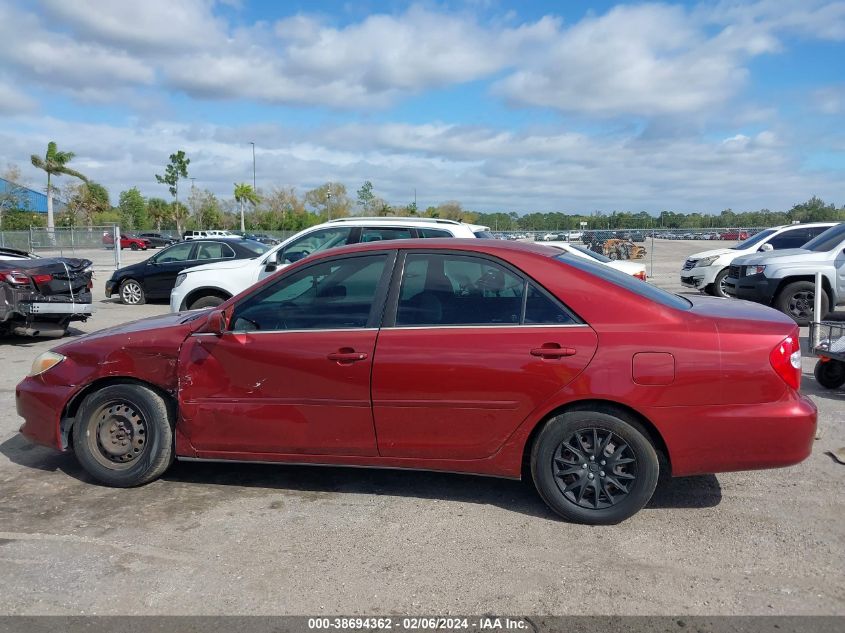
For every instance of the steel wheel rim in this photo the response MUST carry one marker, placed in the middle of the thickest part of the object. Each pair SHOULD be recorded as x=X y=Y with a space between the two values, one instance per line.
x=723 y=285
x=131 y=292
x=595 y=468
x=801 y=304
x=119 y=437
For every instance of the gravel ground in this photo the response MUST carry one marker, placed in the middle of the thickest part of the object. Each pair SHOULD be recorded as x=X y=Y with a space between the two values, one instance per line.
x=213 y=539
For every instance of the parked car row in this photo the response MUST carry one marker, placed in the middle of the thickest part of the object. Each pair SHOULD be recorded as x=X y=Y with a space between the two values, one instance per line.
x=776 y=267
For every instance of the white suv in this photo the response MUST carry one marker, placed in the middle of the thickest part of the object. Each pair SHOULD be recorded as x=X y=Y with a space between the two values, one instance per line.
x=202 y=235
x=212 y=284
x=707 y=270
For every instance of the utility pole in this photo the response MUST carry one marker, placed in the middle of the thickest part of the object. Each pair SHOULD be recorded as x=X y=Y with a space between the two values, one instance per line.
x=253 y=164
x=329 y=203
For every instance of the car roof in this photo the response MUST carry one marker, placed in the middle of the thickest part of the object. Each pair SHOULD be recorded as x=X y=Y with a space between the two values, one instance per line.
x=490 y=247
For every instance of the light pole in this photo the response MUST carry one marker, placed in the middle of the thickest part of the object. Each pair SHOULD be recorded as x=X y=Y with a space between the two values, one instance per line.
x=253 y=164
x=329 y=204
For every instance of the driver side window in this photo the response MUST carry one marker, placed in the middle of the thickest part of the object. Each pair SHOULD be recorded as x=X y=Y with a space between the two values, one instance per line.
x=313 y=242
x=177 y=253
x=337 y=294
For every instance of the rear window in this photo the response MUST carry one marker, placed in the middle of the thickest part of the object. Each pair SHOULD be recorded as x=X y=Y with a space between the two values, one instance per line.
x=828 y=240
x=256 y=247
x=484 y=235
x=628 y=282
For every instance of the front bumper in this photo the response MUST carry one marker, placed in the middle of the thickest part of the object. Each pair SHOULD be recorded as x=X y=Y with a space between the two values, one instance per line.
x=752 y=288
x=699 y=277
x=177 y=296
x=40 y=401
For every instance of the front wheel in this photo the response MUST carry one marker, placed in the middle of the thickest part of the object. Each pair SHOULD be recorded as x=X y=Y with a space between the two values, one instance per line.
x=123 y=435
x=134 y=247
x=132 y=293
x=830 y=374
x=718 y=288
x=797 y=300
x=595 y=467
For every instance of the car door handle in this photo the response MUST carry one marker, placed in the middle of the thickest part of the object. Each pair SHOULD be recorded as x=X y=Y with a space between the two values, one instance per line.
x=552 y=350
x=347 y=355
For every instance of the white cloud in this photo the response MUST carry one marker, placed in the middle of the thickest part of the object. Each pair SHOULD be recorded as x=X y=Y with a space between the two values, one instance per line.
x=162 y=25
x=484 y=168
x=13 y=101
x=56 y=60
x=829 y=100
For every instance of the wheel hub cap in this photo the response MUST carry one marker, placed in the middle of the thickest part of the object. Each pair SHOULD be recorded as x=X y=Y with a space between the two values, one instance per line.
x=594 y=468
x=121 y=433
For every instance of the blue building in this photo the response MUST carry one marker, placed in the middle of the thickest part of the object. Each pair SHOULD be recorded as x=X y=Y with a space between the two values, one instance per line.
x=29 y=199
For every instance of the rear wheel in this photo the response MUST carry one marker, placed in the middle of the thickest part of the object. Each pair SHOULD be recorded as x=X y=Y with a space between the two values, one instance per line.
x=796 y=300
x=830 y=374
x=594 y=466
x=132 y=293
x=208 y=301
x=123 y=435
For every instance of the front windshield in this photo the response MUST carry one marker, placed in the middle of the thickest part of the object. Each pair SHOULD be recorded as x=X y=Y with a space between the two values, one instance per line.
x=754 y=240
x=256 y=247
x=593 y=254
x=828 y=240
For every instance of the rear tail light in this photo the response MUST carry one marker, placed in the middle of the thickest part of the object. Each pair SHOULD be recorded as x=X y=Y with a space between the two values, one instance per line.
x=16 y=278
x=786 y=360
x=640 y=275
x=42 y=279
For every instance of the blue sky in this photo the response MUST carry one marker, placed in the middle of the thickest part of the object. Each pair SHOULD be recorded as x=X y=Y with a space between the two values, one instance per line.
x=525 y=106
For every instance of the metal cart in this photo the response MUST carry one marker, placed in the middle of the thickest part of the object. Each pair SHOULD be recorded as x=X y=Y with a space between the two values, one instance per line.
x=827 y=341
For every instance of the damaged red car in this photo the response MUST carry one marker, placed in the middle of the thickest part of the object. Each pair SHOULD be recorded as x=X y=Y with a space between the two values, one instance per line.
x=473 y=356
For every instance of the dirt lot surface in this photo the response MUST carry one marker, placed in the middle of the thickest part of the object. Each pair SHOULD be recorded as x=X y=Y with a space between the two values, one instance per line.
x=210 y=539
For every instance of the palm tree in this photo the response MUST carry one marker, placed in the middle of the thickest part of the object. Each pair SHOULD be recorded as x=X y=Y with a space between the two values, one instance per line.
x=245 y=193
x=55 y=163
x=158 y=210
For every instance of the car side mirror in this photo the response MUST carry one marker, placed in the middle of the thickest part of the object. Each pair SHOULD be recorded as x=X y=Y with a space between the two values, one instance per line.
x=216 y=323
x=766 y=248
x=270 y=267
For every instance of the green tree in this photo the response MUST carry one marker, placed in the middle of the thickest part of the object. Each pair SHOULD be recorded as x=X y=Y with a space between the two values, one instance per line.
x=329 y=200
x=55 y=164
x=133 y=209
x=174 y=170
x=158 y=211
x=245 y=193
x=13 y=195
x=366 y=196
x=87 y=201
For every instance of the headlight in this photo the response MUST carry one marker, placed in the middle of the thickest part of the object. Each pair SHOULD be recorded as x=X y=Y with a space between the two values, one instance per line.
x=754 y=270
x=707 y=261
x=179 y=279
x=44 y=362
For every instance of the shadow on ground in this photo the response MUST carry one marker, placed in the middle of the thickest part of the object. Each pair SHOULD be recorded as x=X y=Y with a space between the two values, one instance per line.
x=515 y=496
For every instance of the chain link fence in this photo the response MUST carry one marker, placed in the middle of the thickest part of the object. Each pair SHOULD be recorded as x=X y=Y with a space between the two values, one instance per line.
x=95 y=243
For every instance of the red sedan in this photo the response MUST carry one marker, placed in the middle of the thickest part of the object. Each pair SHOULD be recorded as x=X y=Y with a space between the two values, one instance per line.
x=126 y=241
x=489 y=357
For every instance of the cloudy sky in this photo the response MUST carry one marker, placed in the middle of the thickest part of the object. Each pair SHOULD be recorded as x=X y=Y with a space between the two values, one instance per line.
x=528 y=106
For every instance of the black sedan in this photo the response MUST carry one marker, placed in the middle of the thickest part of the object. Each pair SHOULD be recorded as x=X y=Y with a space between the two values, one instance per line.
x=158 y=240
x=155 y=277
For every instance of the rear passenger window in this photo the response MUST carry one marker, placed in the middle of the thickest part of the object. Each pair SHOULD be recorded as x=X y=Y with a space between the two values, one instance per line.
x=434 y=233
x=540 y=309
x=457 y=290
x=391 y=233
x=214 y=250
x=790 y=239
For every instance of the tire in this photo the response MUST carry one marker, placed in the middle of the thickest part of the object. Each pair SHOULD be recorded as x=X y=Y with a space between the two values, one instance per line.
x=208 y=301
x=616 y=499
x=123 y=435
x=133 y=246
x=796 y=300
x=132 y=293
x=717 y=288
x=613 y=255
x=830 y=374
